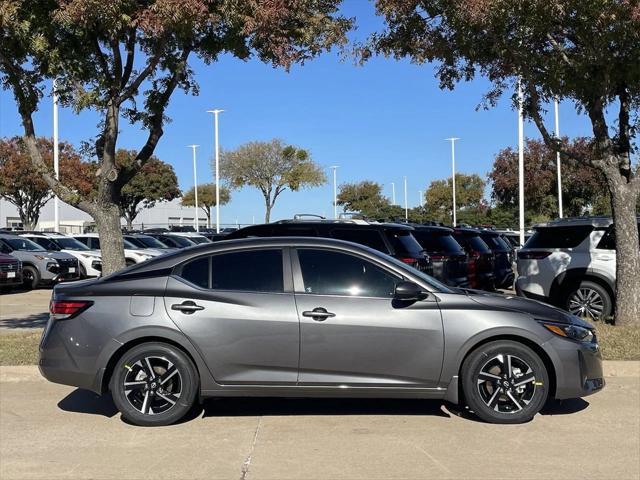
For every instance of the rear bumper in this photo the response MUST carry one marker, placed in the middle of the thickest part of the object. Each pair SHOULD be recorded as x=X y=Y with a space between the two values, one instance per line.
x=578 y=368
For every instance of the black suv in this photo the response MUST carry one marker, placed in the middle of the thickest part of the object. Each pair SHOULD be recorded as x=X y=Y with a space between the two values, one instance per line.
x=481 y=260
x=448 y=258
x=502 y=258
x=390 y=238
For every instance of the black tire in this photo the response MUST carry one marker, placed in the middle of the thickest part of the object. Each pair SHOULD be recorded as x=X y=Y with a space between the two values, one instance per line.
x=181 y=386
x=590 y=300
x=495 y=401
x=30 y=277
x=82 y=271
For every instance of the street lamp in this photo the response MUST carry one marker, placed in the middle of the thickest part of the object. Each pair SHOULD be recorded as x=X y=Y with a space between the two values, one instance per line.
x=521 y=162
x=421 y=198
x=335 y=192
x=56 y=160
x=406 y=201
x=453 y=173
x=217 y=157
x=393 y=193
x=195 y=188
x=555 y=104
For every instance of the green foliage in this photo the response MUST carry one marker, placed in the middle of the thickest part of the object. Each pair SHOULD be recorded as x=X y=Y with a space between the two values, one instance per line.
x=206 y=198
x=271 y=167
x=469 y=199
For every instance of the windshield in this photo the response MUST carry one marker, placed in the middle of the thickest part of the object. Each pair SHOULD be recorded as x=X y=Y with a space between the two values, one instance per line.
x=135 y=242
x=150 y=242
x=24 y=244
x=68 y=243
x=129 y=245
x=181 y=241
x=199 y=239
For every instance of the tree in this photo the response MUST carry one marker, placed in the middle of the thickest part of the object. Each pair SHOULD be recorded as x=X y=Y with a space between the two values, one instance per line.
x=206 y=198
x=585 y=52
x=583 y=187
x=125 y=59
x=363 y=197
x=155 y=182
x=469 y=197
x=271 y=167
x=22 y=185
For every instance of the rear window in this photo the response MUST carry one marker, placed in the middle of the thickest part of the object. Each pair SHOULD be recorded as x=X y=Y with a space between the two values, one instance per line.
x=494 y=242
x=369 y=238
x=437 y=242
x=558 y=237
x=472 y=242
x=404 y=243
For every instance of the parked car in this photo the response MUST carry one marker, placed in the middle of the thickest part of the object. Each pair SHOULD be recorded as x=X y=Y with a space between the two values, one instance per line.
x=448 y=258
x=195 y=237
x=39 y=267
x=480 y=264
x=132 y=254
x=89 y=261
x=571 y=263
x=173 y=241
x=502 y=258
x=308 y=317
x=390 y=238
x=145 y=242
x=10 y=271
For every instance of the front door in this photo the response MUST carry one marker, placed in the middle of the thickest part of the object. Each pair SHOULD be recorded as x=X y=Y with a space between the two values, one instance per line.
x=354 y=333
x=239 y=310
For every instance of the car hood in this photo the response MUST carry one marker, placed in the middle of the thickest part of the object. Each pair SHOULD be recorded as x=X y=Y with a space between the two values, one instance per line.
x=534 y=308
x=93 y=253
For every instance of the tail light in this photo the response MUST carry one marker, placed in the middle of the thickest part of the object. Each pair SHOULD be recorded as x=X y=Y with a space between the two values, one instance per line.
x=409 y=261
x=532 y=255
x=438 y=257
x=65 y=309
x=471 y=269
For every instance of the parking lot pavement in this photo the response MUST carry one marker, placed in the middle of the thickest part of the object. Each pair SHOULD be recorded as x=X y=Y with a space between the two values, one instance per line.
x=24 y=309
x=51 y=431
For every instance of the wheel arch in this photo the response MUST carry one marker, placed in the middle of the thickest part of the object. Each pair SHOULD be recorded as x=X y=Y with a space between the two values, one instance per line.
x=537 y=349
x=573 y=277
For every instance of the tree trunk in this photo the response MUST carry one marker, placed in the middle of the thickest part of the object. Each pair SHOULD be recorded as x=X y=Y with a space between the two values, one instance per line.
x=267 y=213
x=129 y=221
x=623 y=203
x=107 y=219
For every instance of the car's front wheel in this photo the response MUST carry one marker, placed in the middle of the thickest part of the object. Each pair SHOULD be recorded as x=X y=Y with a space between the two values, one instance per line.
x=154 y=384
x=504 y=382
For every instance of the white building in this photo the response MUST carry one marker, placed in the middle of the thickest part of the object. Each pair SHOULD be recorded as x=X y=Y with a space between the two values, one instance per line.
x=72 y=220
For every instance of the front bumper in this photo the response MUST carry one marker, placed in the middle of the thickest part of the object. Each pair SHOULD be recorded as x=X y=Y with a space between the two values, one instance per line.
x=578 y=368
x=5 y=280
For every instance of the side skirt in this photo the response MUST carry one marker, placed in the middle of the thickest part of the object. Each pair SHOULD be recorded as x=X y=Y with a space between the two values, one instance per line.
x=323 y=391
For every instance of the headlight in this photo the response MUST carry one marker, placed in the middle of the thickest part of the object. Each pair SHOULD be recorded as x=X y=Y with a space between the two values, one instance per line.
x=40 y=257
x=573 y=332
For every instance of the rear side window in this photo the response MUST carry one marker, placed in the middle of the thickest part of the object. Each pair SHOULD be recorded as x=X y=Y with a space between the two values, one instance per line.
x=44 y=243
x=558 y=237
x=369 y=238
x=249 y=271
x=437 y=242
x=404 y=243
x=473 y=243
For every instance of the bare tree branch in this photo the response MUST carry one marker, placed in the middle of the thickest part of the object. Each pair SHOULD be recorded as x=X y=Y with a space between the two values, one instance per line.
x=561 y=50
x=130 y=49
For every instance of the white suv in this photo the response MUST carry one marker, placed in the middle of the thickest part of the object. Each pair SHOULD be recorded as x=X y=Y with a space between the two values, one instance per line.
x=132 y=254
x=89 y=261
x=571 y=263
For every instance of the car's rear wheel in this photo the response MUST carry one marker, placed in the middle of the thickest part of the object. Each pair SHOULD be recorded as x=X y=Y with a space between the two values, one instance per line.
x=504 y=382
x=30 y=277
x=590 y=300
x=154 y=384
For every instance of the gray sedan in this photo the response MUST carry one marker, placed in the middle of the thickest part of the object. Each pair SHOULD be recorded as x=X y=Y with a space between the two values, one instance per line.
x=304 y=317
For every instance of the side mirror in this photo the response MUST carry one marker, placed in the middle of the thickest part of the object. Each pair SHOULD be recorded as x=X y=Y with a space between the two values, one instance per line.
x=409 y=291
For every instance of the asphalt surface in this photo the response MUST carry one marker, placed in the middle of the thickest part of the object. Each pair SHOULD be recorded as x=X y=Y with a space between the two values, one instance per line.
x=51 y=431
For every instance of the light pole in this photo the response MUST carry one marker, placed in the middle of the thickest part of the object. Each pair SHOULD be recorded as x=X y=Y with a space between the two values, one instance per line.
x=555 y=104
x=453 y=174
x=393 y=193
x=56 y=160
x=335 y=191
x=521 y=162
x=406 y=201
x=217 y=157
x=421 y=202
x=195 y=188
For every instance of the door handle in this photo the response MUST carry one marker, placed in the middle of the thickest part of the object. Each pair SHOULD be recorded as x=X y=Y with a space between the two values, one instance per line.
x=319 y=314
x=187 y=307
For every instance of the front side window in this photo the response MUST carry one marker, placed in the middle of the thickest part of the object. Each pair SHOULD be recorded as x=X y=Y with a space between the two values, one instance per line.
x=69 y=243
x=45 y=243
x=326 y=272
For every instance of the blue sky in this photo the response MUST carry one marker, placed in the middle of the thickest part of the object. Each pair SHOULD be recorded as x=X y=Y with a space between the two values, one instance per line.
x=380 y=122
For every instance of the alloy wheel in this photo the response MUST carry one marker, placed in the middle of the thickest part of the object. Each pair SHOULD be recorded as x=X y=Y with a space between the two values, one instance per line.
x=586 y=302
x=152 y=385
x=506 y=383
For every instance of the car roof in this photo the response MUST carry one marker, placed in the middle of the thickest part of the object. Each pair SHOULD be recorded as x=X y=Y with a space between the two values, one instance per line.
x=466 y=230
x=355 y=224
x=8 y=235
x=432 y=228
x=597 y=222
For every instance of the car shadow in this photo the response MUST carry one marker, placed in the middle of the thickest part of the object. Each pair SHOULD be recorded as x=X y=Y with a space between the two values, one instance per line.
x=564 y=407
x=37 y=320
x=84 y=401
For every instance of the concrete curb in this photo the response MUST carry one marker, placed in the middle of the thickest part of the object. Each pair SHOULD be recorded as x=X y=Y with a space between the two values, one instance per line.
x=30 y=373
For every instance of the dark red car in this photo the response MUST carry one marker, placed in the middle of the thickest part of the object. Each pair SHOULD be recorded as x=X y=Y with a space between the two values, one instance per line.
x=481 y=258
x=10 y=271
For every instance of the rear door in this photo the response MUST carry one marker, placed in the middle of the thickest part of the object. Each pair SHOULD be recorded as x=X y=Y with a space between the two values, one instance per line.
x=238 y=309
x=354 y=333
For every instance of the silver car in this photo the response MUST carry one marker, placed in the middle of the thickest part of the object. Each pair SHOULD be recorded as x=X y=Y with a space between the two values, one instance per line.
x=307 y=317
